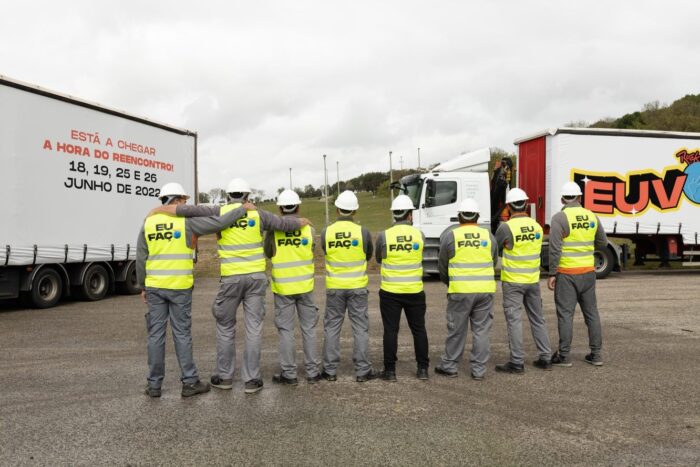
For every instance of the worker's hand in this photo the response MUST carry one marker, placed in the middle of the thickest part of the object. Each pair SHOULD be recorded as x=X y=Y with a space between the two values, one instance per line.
x=143 y=296
x=248 y=206
x=304 y=221
x=551 y=282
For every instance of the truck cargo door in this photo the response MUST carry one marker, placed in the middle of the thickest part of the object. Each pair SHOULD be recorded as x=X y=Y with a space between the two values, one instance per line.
x=531 y=173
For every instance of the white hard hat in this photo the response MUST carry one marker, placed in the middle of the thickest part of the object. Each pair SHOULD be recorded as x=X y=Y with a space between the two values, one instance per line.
x=238 y=185
x=402 y=203
x=469 y=205
x=347 y=201
x=515 y=195
x=173 y=189
x=288 y=198
x=571 y=189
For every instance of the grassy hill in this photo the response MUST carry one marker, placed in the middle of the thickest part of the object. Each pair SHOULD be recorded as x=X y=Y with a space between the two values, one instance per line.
x=681 y=115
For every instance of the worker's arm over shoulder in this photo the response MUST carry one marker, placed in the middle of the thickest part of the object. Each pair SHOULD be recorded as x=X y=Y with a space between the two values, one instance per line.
x=272 y=222
x=189 y=210
x=141 y=257
x=199 y=226
x=601 y=238
x=367 y=243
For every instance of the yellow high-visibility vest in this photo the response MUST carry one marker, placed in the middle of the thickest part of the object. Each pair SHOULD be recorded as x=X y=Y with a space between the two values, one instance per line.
x=169 y=264
x=521 y=262
x=240 y=245
x=402 y=269
x=293 y=262
x=346 y=262
x=578 y=247
x=470 y=270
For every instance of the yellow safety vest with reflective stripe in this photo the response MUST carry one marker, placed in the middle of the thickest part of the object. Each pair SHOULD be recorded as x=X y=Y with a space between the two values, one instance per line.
x=346 y=262
x=578 y=247
x=240 y=246
x=521 y=262
x=169 y=264
x=402 y=269
x=293 y=262
x=470 y=270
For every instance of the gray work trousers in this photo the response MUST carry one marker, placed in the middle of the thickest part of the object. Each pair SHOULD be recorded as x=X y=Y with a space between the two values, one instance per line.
x=355 y=301
x=176 y=306
x=248 y=289
x=286 y=308
x=569 y=290
x=515 y=296
x=462 y=310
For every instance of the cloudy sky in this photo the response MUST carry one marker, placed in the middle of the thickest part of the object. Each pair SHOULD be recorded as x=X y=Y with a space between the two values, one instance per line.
x=270 y=85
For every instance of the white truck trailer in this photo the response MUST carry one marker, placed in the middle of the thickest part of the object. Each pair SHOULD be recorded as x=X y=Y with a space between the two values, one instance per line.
x=77 y=180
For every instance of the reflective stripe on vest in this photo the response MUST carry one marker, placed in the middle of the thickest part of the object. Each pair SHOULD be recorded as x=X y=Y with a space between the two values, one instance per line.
x=293 y=262
x=578 y=247
x=470 y=270
x=402 y=269
x=240 y=245
x=169 y=264
x=521 y=263
x=346 y=265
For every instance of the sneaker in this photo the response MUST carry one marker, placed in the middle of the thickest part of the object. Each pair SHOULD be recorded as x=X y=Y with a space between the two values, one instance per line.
x=593 y=361
x=280 y=379
x=542 y=364
x=440 y=371
x=510 y=367
x=219 y=383
x=314 y=379
x=253 y=386
x=477 y=377
x=388 y=375
x=152 y=392
x=422 y=374
x=189 y=390
x=369 y=376
x=328 y=376
x=557 y=360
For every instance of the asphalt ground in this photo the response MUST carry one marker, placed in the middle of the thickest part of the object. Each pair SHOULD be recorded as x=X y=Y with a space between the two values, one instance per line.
x=72 y=377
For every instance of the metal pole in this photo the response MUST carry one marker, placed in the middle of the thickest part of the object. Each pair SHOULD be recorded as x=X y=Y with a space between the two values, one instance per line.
x=337 y=177
x=418 y=158
x=325 y=186
x=391 y=178
x=290 y=179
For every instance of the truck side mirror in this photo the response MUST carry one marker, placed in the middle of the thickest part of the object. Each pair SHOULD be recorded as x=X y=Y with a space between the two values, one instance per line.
x=429 y=193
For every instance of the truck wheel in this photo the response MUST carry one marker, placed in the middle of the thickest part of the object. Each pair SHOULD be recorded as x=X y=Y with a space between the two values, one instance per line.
x=130 y=286
x=604 y=262
x=47 y=288
x=95 y=283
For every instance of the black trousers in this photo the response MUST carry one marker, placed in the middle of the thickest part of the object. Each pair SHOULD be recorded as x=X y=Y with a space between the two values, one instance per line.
x=413 y=304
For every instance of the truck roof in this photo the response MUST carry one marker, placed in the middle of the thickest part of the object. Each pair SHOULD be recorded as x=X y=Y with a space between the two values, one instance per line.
x=4 y=80
x=608 y=132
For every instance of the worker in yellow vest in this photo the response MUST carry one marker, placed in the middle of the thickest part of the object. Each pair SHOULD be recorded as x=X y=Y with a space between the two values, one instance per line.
x=574 y=235
x=243 y=281
x=468 y=255
x=164 y=265
x=399 y=251
x=292 y=257
x=520 y=238
x=348 y=247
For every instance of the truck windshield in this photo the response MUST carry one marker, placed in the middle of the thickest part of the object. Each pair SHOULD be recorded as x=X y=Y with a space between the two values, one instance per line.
x=413 y=185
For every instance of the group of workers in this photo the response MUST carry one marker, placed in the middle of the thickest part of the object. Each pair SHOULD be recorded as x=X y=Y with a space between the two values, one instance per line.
x=467 y=257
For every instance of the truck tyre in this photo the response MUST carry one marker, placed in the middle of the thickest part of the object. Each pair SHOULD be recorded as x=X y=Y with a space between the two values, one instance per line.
x=95 y=283
x=130 y=286
x=47 y=288
x=604 y=261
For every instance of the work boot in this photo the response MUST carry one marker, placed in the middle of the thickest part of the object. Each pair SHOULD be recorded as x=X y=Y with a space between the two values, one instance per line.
x=328 y=376
x=281 y=379
x=314 y=379
x=388 y=375
x=595 y=361
x=542 y=364
x=370 y=375
x=422 y=374
x=152 y=392
x=477 y=377
x=219 y=383
x=198 y=387
x=440 y=371
x=558 y=360
x=510 y=367
x=253 y=386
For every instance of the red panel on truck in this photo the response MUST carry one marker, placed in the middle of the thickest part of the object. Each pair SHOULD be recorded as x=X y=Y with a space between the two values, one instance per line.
x=531 y=173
